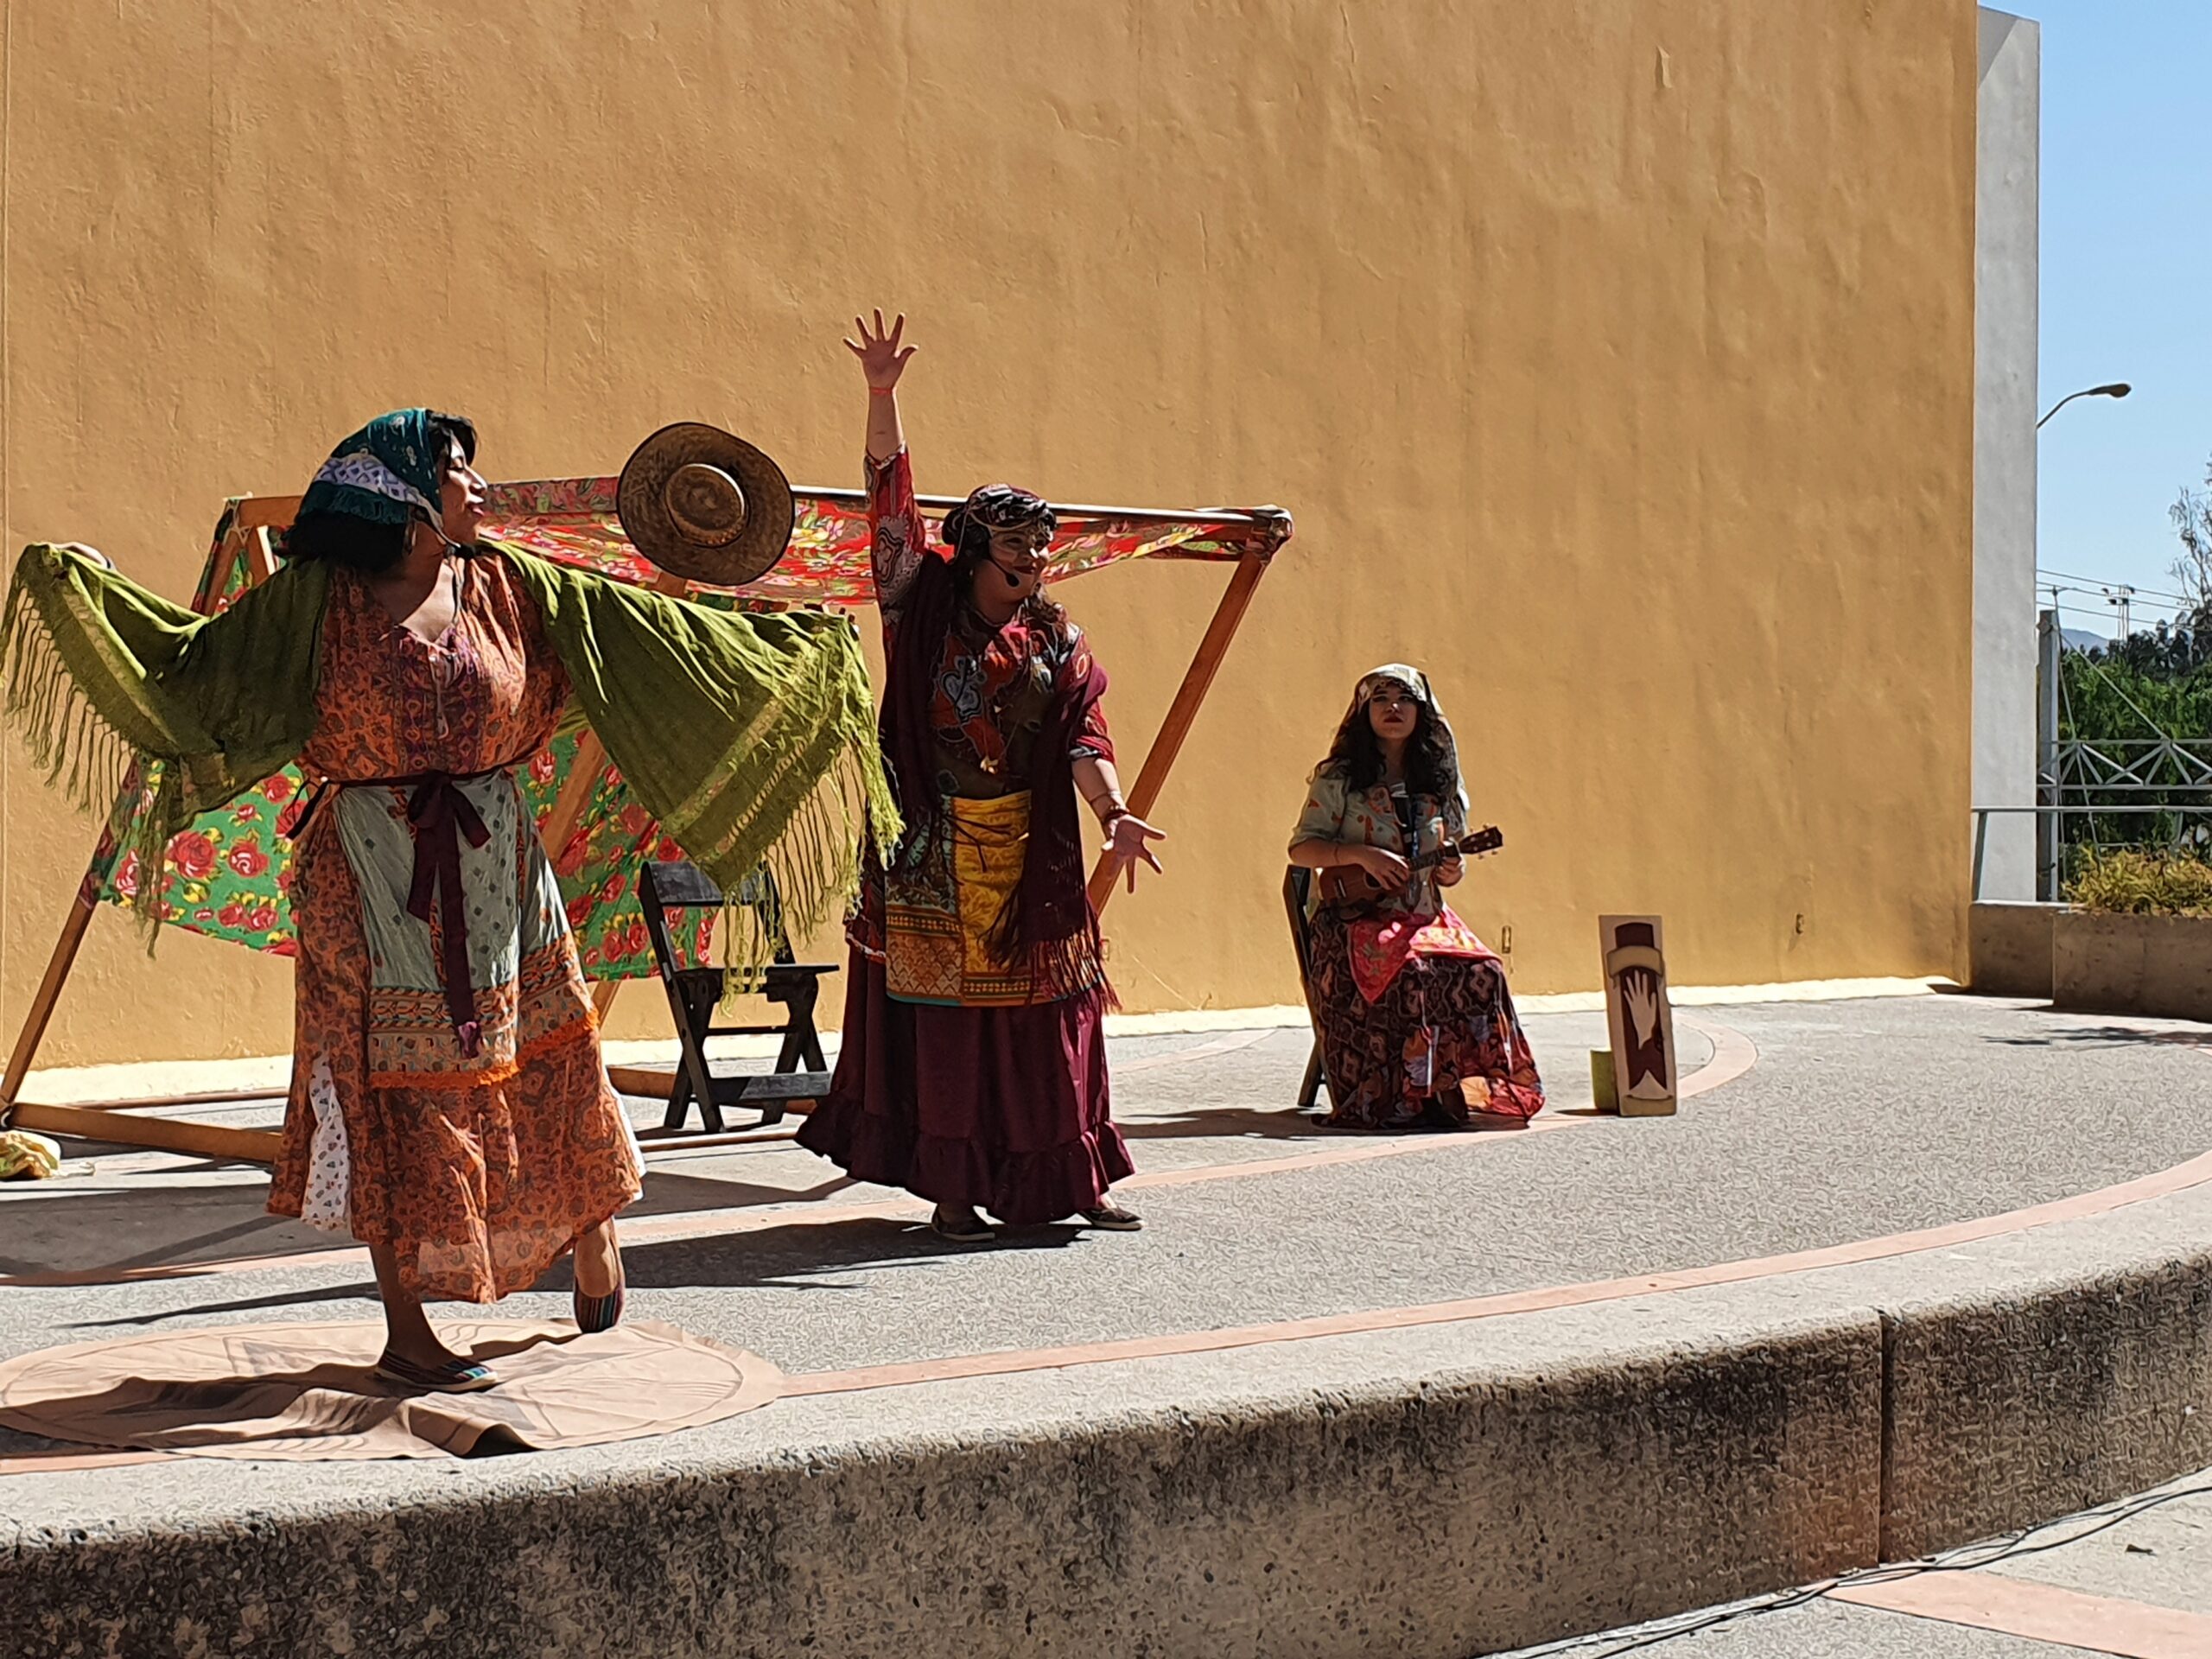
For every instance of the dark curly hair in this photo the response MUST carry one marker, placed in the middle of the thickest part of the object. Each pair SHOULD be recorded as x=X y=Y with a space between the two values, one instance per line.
x=1432 y=761
x=361 y=545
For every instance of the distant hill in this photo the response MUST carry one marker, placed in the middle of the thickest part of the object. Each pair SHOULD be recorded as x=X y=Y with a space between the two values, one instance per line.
x=2081 y=639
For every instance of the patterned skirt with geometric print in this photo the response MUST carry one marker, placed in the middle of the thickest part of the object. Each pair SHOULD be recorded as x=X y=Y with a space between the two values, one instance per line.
x=1437 y=1044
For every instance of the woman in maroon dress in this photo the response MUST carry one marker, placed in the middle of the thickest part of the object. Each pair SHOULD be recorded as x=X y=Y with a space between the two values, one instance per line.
x=973 y=1071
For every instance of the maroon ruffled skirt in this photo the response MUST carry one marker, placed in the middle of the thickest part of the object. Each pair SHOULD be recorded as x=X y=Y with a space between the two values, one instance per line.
x=1003 y=1108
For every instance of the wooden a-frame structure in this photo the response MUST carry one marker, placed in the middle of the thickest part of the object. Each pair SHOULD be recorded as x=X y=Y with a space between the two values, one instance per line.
x=574 y=514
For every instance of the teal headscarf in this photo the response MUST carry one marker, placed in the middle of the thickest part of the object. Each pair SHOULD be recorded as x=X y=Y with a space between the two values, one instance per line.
x=385 y=473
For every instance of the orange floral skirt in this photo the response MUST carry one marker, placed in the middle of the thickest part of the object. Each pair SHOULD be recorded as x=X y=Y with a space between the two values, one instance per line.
x=479 y=1170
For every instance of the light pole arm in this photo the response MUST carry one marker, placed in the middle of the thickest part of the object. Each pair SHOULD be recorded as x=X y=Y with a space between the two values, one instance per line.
x=2117 y=389
x=2060 y=404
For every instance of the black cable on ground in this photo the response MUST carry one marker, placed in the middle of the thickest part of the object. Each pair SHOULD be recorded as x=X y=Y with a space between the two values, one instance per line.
x=1965 y=1559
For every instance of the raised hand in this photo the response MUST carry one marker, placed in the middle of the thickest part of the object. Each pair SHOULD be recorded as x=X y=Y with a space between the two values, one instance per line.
x=883 y=358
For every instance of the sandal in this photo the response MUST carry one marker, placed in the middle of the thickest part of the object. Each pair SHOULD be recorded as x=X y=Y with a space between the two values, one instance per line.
x=1112 y=1218
x=962 y=1227
x=454 y=1376
x=597 y=1313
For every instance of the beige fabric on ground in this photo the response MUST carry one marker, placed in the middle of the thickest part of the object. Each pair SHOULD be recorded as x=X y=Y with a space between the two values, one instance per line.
x=305 y=1392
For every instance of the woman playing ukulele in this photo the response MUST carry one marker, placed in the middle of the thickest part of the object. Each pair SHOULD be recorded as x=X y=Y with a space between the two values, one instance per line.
x=1417 y=1027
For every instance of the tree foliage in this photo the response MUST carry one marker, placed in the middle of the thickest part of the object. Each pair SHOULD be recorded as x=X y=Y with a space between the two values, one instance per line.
x=2163 y=671
x=2192 y=517
x=2121 y=700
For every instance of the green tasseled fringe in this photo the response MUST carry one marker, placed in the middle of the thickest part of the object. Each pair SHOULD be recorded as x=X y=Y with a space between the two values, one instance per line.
x=815 y=857
x=794 y=786
x=816 y=865
x=84 y=756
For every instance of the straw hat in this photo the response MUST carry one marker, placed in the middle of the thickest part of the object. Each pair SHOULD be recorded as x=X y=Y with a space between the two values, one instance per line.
x=705 y=505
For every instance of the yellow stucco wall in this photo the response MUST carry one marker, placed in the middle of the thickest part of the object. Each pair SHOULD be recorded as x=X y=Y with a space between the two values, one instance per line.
x=1615 y=359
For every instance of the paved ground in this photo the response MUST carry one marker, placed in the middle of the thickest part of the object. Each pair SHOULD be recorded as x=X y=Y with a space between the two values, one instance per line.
x=2134 y=1579
x=1859 y=1119
x=1815 y=1125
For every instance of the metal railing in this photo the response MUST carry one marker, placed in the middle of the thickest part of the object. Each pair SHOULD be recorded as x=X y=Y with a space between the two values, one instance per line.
x=2192 y=828
x=2130 y=763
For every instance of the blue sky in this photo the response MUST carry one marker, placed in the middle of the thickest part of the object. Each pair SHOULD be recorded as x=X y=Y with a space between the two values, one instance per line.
x=2126 y=285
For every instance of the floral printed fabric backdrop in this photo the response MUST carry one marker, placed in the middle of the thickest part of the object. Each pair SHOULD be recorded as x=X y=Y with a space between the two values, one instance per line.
x=573 y=520
x=226 y=875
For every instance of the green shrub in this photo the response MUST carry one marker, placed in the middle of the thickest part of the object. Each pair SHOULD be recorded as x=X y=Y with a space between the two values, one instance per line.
x=2141 y=883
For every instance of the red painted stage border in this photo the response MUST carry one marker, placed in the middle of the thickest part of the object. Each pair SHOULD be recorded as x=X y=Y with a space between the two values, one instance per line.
x=2042 y=1612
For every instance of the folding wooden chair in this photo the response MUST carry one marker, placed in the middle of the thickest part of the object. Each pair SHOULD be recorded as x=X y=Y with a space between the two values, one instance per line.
x=693 y=993
x=1297 y=888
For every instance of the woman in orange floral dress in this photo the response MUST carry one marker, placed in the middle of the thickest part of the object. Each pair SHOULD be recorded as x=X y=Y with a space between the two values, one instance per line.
x=448 y=1106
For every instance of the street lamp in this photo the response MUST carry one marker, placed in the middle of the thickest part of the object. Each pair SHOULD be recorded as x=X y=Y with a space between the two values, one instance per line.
x=2117 y=389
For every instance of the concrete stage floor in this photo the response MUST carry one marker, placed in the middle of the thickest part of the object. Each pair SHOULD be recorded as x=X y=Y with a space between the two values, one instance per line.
x=1932 y=1140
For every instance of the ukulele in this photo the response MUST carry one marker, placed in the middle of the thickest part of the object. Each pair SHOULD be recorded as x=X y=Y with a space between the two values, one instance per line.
x=1348 y=884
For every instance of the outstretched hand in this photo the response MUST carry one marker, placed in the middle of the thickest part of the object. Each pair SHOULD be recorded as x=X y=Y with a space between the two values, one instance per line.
x=1128 y=844
x=883 y=359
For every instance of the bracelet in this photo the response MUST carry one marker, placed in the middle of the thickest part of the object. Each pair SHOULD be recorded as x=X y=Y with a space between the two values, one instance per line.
x=883 y=391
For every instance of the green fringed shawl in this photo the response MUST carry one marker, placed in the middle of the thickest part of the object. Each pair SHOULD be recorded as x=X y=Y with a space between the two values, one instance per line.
x=751 y=738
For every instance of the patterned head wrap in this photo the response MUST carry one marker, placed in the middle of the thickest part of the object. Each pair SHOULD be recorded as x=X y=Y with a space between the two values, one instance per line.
x=390 y=469
x=1406 y=675
x=1415 y=681
x=997 y=506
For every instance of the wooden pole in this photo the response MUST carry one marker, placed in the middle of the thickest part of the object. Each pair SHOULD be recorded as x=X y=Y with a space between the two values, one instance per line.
x=260 y=557
x=49 y=992
x=221 y=578
x=1152 y=777
x=272 y=511
x=203 y=1097
x=575 y=795
x=278 y=510
x=163 y=1134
